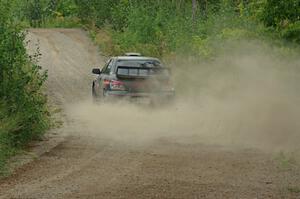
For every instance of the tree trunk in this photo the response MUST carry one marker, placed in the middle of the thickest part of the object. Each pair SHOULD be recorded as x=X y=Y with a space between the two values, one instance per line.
x=194 y=11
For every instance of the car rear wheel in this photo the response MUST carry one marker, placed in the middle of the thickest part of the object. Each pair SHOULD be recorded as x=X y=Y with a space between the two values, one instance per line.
x=94 y=95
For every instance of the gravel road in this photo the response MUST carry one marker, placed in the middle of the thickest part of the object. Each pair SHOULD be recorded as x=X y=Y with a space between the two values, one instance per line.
x=111 y=157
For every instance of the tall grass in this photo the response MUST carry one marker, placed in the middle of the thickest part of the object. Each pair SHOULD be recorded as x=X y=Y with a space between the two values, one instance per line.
x=164 y=28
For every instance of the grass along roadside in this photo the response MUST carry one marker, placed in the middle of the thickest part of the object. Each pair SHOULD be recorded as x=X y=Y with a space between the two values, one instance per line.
x=24 y=115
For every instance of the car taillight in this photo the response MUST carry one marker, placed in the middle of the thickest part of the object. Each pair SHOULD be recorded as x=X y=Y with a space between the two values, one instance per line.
x=167 y=82
x=106 y=82
x=116 y=85
x=167 y=85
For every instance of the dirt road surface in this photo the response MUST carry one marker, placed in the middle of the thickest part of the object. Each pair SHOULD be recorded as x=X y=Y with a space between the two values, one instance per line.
x=124 y=151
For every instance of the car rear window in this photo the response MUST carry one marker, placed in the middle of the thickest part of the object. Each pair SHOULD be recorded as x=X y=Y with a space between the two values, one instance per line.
x=140 y=68
x=142 y=72
x=139 y=63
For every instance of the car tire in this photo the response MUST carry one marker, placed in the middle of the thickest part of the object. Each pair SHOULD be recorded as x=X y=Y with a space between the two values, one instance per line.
x=94 y=95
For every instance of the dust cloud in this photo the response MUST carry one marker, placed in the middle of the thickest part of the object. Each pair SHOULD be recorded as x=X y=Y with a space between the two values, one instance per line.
x=249 y=97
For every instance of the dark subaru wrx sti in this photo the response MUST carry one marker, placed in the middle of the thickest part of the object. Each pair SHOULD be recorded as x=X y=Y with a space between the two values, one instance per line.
x=133 y=77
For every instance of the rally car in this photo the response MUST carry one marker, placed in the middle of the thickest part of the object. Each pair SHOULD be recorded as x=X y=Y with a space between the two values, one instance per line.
x=133 y=77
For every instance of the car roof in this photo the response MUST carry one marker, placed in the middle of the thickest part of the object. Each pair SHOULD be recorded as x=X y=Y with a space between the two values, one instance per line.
x=136 y=58
x=133 y=54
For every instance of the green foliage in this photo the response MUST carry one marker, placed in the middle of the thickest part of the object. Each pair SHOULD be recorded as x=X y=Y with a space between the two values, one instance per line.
x=292 y=32
x=86 y=11
x=35 y=13
x=294 y=189
x=66 y=8
x=119 y=14
x=280 y=12
x=286 y=161
x=284 y=16
x=164 y=27
x=159 y=27
x=23 y=112
x=46 y=13
x=96 y=12
x=150 y=28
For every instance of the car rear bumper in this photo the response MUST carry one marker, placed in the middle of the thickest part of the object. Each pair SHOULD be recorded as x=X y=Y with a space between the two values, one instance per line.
x=125 y=94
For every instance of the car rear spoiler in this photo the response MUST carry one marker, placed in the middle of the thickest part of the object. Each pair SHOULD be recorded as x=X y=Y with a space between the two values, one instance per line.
x=140 y=72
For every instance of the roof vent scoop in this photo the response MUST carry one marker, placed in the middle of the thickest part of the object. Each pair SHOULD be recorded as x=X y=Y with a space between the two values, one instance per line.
x=133 y=54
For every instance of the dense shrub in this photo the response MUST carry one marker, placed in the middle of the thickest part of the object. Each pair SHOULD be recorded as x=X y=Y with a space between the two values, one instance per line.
x=162 y=27
x=46 y=13
x=23 y=113
x=283 y=16
x=159 y=27
x=292 y=32
x=279 y=12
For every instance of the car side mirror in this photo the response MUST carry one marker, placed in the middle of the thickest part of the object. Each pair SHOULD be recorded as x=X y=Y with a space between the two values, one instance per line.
x=96 y=71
